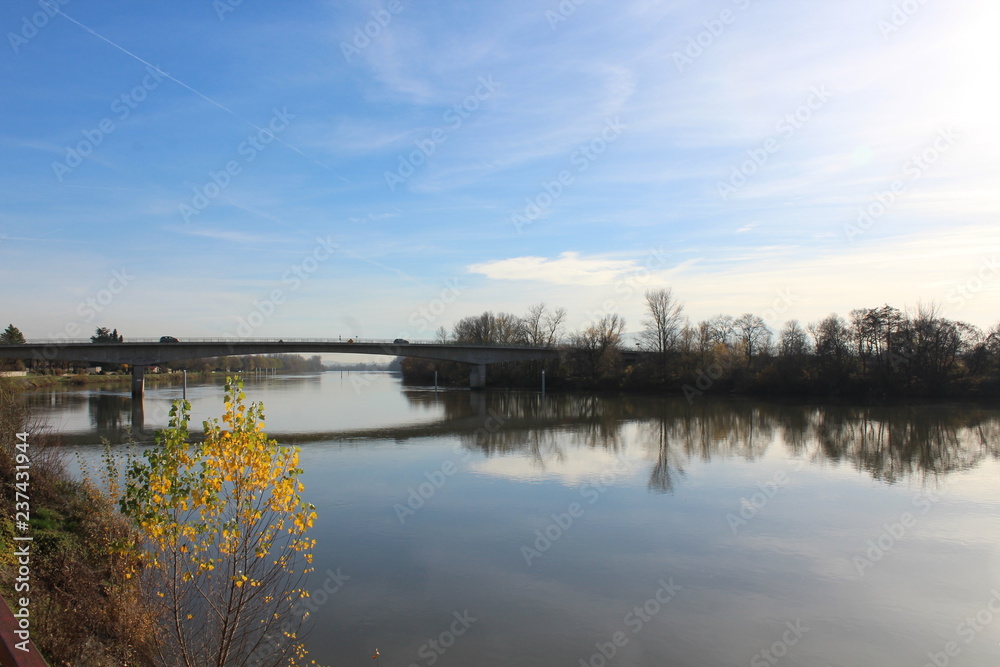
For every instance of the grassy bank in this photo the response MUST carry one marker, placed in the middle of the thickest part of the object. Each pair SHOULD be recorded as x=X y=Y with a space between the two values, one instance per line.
x=85 y=606
x=30 y=382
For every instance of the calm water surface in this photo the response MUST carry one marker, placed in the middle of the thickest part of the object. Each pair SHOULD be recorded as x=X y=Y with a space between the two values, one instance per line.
x=461 y=528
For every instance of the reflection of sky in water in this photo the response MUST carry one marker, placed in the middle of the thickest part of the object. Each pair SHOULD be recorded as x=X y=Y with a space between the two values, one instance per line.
x=671 y=477
x=293 y=404
x=792 y=561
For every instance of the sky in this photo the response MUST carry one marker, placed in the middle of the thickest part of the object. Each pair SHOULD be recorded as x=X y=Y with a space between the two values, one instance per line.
x=381 y=169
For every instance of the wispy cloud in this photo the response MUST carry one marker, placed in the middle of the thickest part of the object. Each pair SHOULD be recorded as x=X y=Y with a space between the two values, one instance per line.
x=567 y=269
x=230 y=236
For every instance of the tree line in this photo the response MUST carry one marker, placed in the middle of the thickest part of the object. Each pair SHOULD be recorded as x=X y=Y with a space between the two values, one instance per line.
x=878 y=352
x=288 y=363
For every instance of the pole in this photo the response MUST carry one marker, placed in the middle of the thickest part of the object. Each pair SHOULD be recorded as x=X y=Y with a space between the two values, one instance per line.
x=543 y=382
x=184 y=391
x=435 y=380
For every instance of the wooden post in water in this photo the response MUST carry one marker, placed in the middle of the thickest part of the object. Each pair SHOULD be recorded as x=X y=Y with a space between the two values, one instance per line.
x=184 y=390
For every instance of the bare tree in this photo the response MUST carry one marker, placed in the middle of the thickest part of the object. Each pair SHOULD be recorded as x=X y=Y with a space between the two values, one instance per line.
x=534 y=323
x=542 y=326
x=720 y=328
x=490 y=329
x=601 y=336
x=752 y=333
x=936 y=344
x=600 y=342
x=554 y=323
x=509 y=329
x=794 y=342
x=605 y=333
x=688 y=339
x=833 y=344
x=704 y=339
x=665 y=321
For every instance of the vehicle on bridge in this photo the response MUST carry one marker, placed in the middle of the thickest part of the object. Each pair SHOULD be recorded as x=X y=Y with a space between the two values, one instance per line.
x=400 y=341
x=168 y=339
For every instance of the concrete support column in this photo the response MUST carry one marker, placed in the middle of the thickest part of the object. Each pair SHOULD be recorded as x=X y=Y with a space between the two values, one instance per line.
x=138 y=382
x=477 y=376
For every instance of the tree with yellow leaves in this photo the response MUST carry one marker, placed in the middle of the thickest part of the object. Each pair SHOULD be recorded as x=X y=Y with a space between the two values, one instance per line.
x=225 y=538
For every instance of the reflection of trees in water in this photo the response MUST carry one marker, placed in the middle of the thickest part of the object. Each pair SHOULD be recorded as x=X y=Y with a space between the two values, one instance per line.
x=519 y=422
x=661 y=477
x=888 y=442
x=893 y=443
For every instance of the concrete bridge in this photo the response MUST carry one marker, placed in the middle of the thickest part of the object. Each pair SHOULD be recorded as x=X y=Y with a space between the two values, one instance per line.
x=142 y=353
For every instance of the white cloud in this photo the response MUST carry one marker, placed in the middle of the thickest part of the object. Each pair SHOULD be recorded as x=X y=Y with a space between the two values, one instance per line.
x=568 y=269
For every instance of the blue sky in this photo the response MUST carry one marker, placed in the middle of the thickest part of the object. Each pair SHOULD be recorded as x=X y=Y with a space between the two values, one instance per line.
x=265 y=169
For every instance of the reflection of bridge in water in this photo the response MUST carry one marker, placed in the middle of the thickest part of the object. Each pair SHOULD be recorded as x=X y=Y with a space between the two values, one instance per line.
x=889 y=443
x=141 y=354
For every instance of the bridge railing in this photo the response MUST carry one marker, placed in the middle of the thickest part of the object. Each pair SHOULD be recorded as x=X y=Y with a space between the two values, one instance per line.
x=275 y=341
x=147 y=341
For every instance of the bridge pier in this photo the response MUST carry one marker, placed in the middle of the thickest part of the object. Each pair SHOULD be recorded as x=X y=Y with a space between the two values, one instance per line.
x=477 y=376
x=138 y=382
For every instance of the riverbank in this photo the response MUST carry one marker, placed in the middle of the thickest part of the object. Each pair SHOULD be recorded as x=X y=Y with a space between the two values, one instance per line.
x=31 y=382
x=78 y=562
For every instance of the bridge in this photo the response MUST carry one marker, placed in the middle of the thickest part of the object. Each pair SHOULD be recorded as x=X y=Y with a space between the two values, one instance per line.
x=140 y=354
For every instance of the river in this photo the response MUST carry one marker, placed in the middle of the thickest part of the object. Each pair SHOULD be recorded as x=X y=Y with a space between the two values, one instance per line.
x=504 y=528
